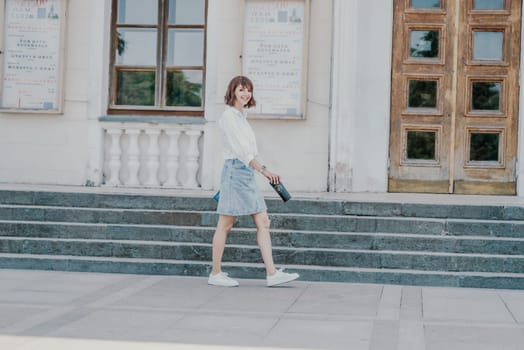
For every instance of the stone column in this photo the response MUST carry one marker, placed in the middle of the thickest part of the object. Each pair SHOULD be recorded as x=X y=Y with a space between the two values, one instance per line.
x=133 y=161
x=153 y=158
x=173 y=154
x=115 y=152
x=193 y=156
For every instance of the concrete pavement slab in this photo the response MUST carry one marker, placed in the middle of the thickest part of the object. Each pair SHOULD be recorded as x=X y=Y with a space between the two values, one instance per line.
x=385 y=335
x=252 y=296
x=411 y=303
x=320 y=334
x=339 y=299
x=515 y=304
x=161 y=293
x=124 y=325
x=66 y=310
x=465 y=305
x=445 y=337
x=221 y=329
x=389 y=307
x=411 y=335
x=12 y=314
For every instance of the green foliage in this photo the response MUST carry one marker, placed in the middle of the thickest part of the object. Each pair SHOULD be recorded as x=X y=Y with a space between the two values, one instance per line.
x=182 y=92
x=136 y=88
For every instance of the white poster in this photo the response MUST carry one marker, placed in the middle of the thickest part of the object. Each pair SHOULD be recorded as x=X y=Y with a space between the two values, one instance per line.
x=273 y=55
x=31 y=54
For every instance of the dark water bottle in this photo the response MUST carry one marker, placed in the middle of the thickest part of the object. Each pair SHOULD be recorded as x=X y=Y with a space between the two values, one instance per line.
x=281 y=190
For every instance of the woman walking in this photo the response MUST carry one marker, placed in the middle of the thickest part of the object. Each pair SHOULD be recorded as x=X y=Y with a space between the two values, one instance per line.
x=239 y=193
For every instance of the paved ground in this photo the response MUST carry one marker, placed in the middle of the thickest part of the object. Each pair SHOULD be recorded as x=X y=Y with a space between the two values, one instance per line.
x=63 y=310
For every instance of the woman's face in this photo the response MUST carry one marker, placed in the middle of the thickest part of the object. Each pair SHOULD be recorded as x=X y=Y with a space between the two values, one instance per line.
x=242 y=95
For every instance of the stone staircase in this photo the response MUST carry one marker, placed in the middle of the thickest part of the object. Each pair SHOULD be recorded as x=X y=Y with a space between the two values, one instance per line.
x=324 y=240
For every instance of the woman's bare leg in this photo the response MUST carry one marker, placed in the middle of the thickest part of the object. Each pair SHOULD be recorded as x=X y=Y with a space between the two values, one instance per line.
x=264 y=240
x=224 y=225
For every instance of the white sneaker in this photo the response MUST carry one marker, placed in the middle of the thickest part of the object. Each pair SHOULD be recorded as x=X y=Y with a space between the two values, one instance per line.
x=281 y=277
x=221 y=279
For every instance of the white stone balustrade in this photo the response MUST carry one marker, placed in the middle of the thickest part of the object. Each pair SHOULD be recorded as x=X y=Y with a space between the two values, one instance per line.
x=152 y=155
x=113 y=156
x=133 y=160
x=173 y=158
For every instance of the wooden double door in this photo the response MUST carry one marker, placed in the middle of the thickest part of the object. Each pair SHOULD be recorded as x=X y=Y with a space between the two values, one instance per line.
x=455 y=93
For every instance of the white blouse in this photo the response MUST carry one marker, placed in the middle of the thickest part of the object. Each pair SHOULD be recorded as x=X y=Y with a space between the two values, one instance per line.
x=238 y=137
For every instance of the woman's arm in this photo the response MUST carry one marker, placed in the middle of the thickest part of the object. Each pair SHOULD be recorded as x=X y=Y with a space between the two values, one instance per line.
x=272 y=177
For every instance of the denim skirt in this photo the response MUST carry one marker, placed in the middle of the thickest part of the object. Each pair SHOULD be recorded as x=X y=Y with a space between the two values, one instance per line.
x=239 y=193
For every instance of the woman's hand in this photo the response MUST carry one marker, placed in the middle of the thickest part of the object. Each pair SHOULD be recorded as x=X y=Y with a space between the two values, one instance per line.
x=272 y=177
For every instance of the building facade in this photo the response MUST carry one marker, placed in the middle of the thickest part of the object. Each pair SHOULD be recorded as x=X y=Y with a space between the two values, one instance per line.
x=373 y=96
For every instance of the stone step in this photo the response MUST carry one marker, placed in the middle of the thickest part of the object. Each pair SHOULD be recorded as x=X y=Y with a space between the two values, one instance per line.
x=284 y=238
x=200 y=202
x=428 y=261
x=250 y=270
x=335 y=223
x=209 y=218
x=449 y=244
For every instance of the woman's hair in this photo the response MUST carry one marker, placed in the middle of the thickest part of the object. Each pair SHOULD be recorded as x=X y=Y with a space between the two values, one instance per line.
x=240 y=80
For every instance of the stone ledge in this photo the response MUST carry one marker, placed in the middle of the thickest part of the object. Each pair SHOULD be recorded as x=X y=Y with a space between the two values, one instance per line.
x=151 y=119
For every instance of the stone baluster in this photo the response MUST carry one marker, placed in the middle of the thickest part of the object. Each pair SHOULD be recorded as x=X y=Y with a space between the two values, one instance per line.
x=115 y=152
x=153 y=157
x=173 y=154
x=133 y=161
x=193 y=155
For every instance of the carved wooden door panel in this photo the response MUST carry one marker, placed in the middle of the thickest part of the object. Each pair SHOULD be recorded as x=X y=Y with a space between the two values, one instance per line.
x=454 y=100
